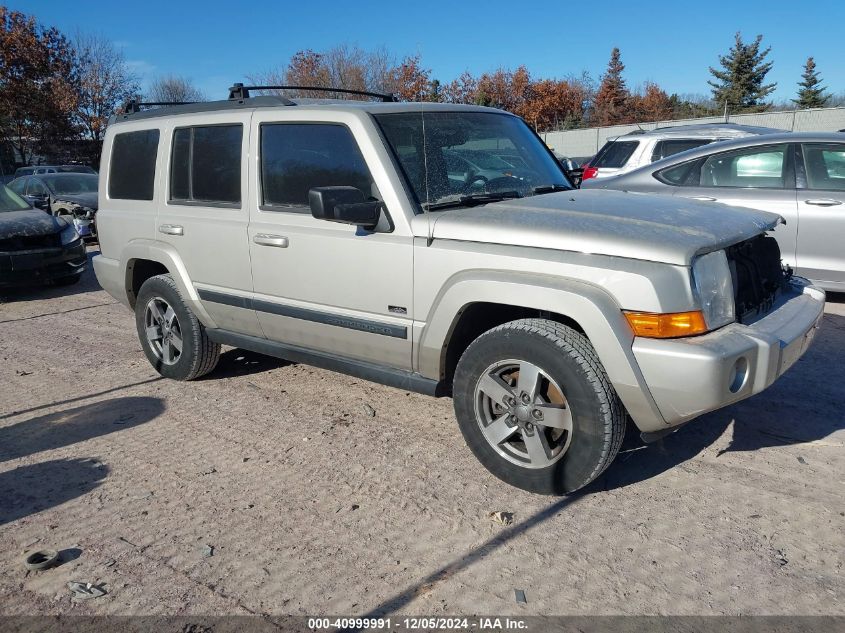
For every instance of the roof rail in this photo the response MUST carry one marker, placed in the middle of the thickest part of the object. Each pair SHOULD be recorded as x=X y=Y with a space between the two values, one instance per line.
x=133 y=105
x=239 y=91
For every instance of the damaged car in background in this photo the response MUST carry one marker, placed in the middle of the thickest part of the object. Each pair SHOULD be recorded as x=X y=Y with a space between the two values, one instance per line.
x=69 y=195
x=37 y=248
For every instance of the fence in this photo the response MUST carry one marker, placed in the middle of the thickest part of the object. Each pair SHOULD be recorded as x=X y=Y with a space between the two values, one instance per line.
x=586 y=142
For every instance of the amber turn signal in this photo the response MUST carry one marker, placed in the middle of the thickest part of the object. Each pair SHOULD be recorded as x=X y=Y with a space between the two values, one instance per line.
x=673 y=325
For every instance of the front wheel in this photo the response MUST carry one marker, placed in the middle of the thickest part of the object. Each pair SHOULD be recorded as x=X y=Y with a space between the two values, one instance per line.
x=174 y=340
x=536 y=407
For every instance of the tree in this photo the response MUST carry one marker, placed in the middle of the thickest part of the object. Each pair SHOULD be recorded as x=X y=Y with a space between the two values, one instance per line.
x=461 y=90
x=810 y=91
x=347 y=67
x=651 y=104
x=174 y=89
x=105 y=83
x=740 y=84
x=556 y=104
x=610 y=105
x=38 y=84
x=412 y=82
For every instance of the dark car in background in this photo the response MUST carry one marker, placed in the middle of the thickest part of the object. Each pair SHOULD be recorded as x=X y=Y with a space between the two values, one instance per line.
x=72 y=195
x=36 y=247
x=32 y=170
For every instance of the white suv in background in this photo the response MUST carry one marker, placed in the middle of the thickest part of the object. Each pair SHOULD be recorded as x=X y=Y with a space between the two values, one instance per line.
x=621 y=154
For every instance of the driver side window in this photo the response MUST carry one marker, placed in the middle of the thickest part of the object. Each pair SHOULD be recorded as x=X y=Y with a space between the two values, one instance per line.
x=758 y=167
x=297 y=157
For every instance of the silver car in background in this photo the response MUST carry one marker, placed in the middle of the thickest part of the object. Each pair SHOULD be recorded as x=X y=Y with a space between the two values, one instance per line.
x=800 y=176
x=625 y=153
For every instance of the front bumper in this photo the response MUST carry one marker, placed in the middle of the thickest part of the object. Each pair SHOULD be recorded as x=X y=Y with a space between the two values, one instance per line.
x=26 y=267
x=689 y=377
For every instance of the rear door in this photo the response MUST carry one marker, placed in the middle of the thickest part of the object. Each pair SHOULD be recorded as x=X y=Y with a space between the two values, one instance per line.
x=760 y=177
x=204 y=213
x=821 y=211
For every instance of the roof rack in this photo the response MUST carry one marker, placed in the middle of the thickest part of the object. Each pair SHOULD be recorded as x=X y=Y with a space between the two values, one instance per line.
x=133 y=105
x=239 y=91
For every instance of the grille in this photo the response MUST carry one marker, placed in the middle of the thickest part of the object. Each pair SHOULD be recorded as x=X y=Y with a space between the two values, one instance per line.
x=758 y=275
x=29 y=242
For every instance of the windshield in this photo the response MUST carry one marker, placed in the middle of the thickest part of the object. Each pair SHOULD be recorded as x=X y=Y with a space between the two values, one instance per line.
x=71 y=184
x=10 y=201
x=458 y=156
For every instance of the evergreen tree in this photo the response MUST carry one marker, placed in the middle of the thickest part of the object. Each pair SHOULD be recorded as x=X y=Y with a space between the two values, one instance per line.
x=610 y=105
x=740 y=84
x=810 y=91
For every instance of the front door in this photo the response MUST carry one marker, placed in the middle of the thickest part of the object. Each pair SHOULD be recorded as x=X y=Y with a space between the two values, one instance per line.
x=760 y=177
x=321 y=285
x=821 y=209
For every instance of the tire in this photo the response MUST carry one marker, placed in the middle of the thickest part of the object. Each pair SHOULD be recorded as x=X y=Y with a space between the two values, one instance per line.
x=198 y=354
x=564 y=433
x=68 y=281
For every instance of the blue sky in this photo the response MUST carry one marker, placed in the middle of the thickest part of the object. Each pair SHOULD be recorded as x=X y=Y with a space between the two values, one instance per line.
x=215 y=42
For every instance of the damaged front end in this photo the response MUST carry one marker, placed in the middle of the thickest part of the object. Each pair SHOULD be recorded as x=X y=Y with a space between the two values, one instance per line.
x=83 y=219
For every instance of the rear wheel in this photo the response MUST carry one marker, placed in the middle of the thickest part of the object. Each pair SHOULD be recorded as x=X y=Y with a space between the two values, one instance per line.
x=174 y=340
x=536 y=407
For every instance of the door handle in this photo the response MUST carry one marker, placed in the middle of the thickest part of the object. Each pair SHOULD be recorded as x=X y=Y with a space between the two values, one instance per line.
x=823 y=202
x=703 y=198
x=171 y=229
x=279 y=241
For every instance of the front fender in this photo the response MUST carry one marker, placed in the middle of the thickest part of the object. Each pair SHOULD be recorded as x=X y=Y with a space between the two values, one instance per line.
x=589 y=305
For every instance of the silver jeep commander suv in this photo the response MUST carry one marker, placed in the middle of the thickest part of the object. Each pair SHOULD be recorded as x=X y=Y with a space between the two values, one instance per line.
x=347 y=235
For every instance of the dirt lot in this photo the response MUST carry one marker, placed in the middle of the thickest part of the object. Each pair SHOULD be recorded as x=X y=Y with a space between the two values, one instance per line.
x=268 y=488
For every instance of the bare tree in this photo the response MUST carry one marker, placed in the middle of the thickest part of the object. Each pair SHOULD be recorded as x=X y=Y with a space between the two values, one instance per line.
x=105 y=83
x=174 y=89
x=344 y=66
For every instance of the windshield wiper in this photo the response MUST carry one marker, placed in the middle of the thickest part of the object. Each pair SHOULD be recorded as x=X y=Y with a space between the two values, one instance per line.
x=541 y=189
x=470 y=199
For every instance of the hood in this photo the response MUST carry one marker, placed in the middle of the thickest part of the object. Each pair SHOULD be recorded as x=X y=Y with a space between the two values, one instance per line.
x=83 y=199
x=616 y=223
x=30 y=222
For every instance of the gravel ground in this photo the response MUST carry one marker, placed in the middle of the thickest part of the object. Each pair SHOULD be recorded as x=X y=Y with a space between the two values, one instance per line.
x=269 y=488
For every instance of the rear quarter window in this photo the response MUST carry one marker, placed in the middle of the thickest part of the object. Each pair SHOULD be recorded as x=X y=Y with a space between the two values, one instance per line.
x=614 y=154
x=670 y=147
x=133 y=165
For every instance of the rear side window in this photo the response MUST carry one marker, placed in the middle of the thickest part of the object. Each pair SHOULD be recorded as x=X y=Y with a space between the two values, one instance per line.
x=206 y=164
x=614 y=154
x=825 y=166
x=133 y=165
x=670 y=147
x=298 y=157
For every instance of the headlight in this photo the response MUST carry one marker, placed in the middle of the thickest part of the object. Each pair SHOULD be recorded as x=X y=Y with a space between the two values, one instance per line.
x=69 y=235
x=713 y=285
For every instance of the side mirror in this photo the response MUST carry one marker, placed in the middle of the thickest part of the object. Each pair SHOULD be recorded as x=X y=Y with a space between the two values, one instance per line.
x=39 y=201
x=344 y=204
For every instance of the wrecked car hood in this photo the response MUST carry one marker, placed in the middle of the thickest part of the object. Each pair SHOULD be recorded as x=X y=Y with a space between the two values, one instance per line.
x=82 y=199
x=616 y=223
x=29 y=222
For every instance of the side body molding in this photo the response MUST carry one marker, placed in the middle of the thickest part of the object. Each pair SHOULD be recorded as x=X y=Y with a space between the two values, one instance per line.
x=587 y=304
